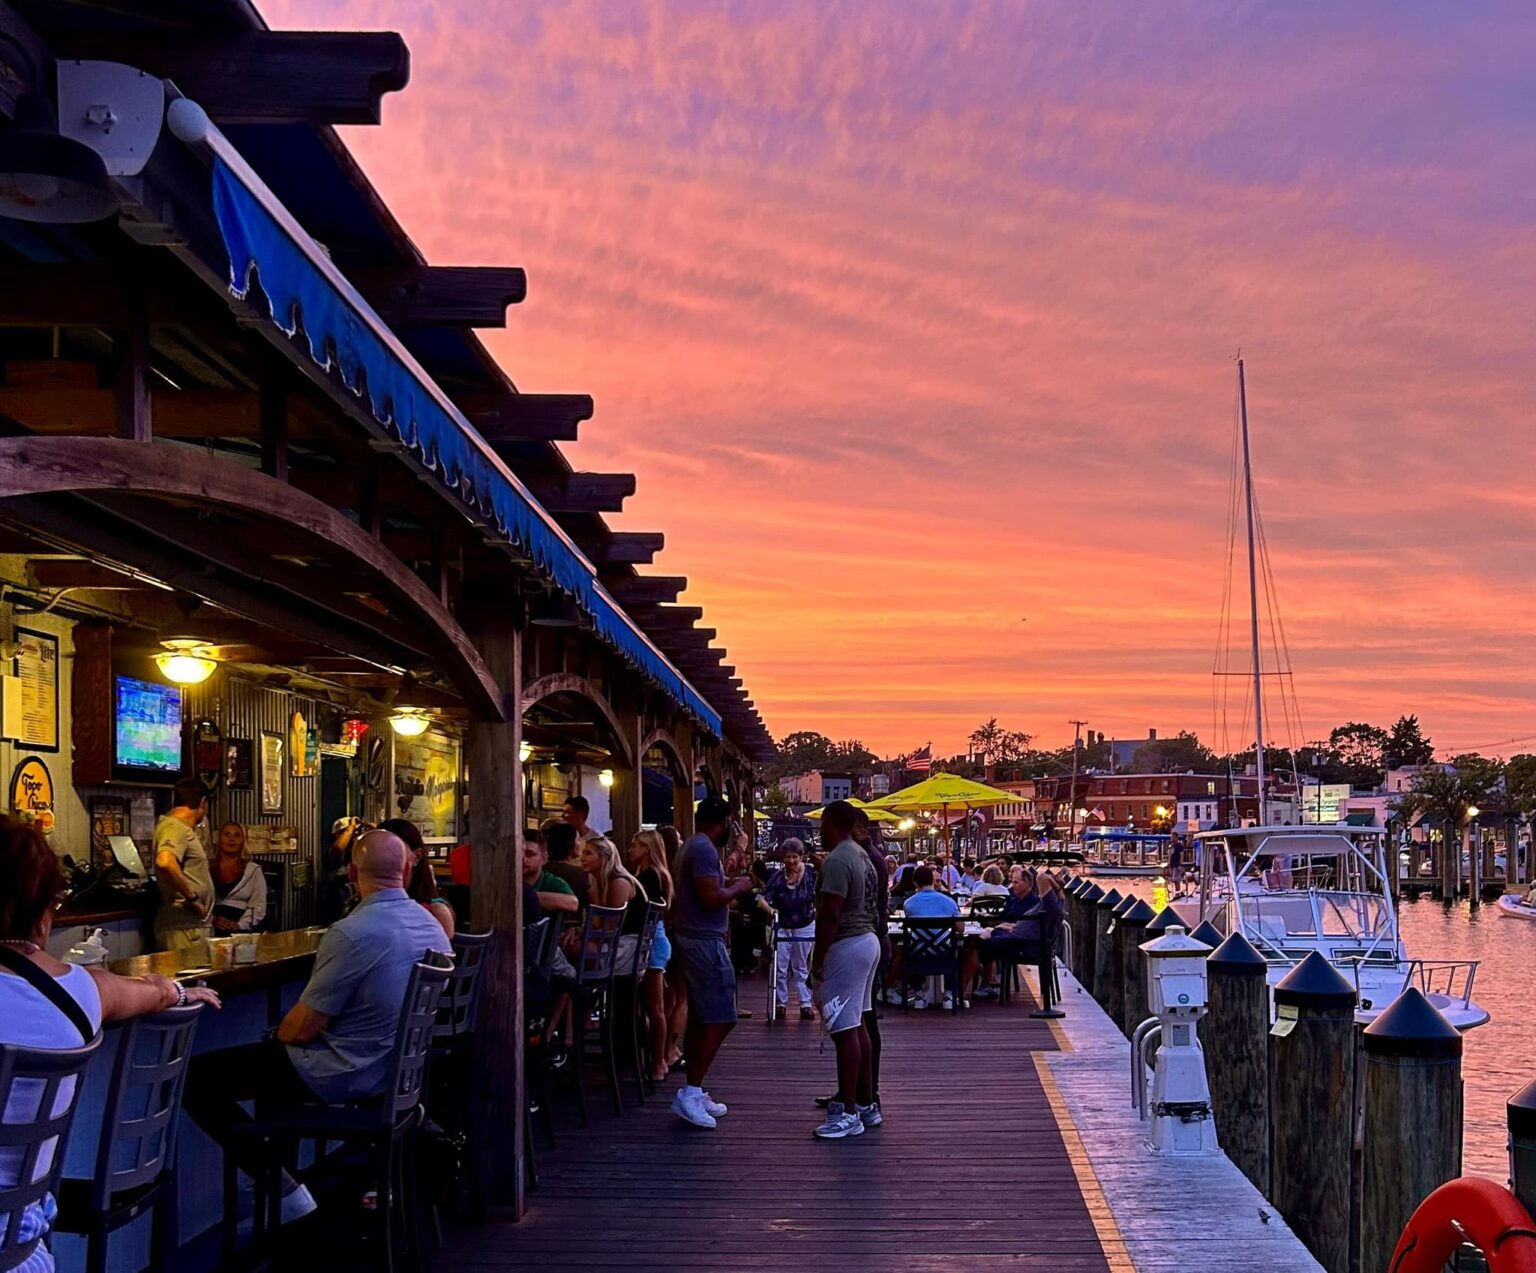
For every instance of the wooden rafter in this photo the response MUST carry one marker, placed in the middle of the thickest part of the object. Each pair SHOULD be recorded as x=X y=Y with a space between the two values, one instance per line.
x=442 y=295
x=526 y=417
x=583 y=492
x=639 y=590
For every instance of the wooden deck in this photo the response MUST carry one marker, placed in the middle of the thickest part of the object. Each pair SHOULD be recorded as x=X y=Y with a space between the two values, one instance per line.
x=970 y=1171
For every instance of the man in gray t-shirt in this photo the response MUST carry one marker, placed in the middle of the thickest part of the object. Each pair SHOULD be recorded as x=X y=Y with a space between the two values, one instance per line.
x=843 y=965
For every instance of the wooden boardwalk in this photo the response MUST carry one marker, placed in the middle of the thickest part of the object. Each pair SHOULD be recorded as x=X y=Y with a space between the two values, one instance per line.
x=970 y=1171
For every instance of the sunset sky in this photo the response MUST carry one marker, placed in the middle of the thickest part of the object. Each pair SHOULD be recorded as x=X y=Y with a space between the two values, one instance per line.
x=917 y=323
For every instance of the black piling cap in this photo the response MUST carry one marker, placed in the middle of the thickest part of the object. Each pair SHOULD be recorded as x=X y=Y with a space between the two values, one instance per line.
x=1521 y=1111
x=1236 y=957
x=1124 y=904
x=1137 y=913
x=1165 y=919
x=1412 y=1026
x=1109 y=900
x=1076 y=885
x=1208 y=933
x=1091 y=894
x=1315 y=983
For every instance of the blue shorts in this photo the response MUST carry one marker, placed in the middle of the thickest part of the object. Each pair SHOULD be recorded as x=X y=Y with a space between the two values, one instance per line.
x=661 y=949
x=709 y=978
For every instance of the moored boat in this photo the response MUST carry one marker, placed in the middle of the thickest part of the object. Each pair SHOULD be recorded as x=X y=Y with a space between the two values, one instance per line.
x=1516 y=906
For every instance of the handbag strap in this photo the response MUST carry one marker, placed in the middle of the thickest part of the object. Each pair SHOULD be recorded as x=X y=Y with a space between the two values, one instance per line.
x=50 y=989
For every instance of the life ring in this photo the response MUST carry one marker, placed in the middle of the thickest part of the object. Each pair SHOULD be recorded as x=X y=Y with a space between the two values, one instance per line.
x=1468 y=1210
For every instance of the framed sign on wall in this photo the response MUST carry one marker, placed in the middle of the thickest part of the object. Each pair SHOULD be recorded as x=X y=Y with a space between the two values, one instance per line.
x=34 y=723
x=273 y=759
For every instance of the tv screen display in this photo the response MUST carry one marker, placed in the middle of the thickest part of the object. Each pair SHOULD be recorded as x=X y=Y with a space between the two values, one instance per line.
x=148 y=721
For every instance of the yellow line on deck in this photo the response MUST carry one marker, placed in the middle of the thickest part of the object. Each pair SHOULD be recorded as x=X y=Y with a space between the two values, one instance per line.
x=1104 y=1227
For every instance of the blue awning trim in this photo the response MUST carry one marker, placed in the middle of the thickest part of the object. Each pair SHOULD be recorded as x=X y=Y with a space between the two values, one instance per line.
x=340 y=337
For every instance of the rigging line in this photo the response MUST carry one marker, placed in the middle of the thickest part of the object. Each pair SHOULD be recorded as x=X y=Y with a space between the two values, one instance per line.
x=1290 y=709
x=1219 y=693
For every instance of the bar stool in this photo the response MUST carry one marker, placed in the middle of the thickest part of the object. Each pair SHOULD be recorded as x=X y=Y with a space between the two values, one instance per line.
x=136 y=1155
x=629 y=1005
x=386 y=1127
x=592 y=992
x=452 y=1100
x=39 y=1079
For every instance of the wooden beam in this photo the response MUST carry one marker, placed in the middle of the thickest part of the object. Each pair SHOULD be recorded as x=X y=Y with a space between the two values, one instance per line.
x=261 y=77
x=442 y=295
x=639 y=590
x=684 y=638
x=274 y=432
x=56 y=572
x=177 y=413
x=130 y=348
x=662 y=618
x=584 y=492
x=526 y=417
x=634 y=547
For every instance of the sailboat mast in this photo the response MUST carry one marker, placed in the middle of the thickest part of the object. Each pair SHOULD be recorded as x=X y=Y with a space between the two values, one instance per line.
x=1253 y=594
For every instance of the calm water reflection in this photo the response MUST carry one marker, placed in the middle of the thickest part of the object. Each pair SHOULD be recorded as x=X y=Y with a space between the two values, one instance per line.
x=1500 y=1057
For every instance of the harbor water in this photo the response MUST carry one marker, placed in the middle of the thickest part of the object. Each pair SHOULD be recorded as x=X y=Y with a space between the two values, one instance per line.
x=1500 y=1057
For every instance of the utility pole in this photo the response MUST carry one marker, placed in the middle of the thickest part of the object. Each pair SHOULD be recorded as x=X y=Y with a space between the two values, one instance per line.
x=1077 y=741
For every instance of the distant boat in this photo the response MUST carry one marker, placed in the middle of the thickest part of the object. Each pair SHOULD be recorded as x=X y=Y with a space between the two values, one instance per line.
x=1131 y=854
x=1516 y=907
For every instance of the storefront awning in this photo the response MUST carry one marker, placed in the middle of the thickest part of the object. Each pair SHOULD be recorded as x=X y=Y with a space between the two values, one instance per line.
x=342 y=332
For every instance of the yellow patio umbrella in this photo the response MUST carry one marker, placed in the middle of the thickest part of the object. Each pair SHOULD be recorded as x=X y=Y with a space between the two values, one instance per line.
x=875 y=815
x=942 y=792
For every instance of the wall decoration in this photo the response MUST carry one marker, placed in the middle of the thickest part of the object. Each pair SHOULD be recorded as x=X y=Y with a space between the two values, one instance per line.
x=273 y=747
x=298 y=745
x=208 y=752
x=311 y=753
x=32 y=794
x=237 y=764
x=109 y=816
x=37 y=679
x=427 y=783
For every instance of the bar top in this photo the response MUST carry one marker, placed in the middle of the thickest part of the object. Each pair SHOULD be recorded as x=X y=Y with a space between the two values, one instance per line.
x=279 y=957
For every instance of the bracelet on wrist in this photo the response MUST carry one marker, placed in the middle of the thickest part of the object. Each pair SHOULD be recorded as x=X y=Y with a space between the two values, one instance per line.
x=181 y=995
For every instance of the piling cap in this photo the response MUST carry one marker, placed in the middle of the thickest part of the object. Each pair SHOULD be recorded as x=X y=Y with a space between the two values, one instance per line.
x=1208 y=933
x=1236 y=957
x=1412 y=1026
x=1109 y=900
x=1076 y=885
x=1124 y=904
x=1315 y=983
x=1137 y=913
x=1091 y=894
x=1521 y=1111
x=1164 y=920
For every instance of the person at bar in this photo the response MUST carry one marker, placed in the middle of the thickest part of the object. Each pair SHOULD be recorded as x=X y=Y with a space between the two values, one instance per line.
x=420 y=879
x=182 y=872
x=336 y=1042
x=239 y=887
x=32 y=887
x=559 y=840
x=577 y=811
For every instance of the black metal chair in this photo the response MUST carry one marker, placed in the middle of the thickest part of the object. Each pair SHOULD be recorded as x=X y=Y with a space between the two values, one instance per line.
x=987 y=910
x=452 y=1099
x=135 y=1169
x=46 y=1082
x=386 y=1128
x=627 y=993
x=591 y=993
x=930 y=948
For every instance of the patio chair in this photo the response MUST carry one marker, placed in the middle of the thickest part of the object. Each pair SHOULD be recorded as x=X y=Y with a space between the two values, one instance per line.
x=930 y=948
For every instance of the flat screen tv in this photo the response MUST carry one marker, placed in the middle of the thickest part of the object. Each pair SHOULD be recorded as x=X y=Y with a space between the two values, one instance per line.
x=146 y=730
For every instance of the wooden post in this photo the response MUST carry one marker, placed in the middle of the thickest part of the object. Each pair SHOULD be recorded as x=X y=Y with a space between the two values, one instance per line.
x=1114 y=964
x=682 y=791
x=1102 y=921
x=1133 y=965
x=1475 y=864
x=274 y=432
x=496 y=905
x=1088 y=931
x=131 y=355
x=624 y=797
x=1521 y=1113
x=1312 y=1097
x=1235 y=1036
x=1073 y=891
x=1412 y=1139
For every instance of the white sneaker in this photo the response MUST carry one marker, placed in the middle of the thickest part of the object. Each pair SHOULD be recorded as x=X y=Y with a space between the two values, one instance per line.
x=919 y=1004
x=690 y=1108
x=893 y=997
x=870 y=1115
x=949 y=1001
x=714 y=1108
x=840 y=1123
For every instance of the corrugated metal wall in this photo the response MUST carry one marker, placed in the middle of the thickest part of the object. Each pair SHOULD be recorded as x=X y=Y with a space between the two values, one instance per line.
x=245 y=709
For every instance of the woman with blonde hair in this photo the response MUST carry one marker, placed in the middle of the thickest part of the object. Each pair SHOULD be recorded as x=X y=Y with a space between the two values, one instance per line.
x=614 y=885
x=648 y=860
x=239 y=887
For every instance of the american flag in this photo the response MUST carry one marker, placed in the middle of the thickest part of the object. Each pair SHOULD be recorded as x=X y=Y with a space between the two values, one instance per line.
x=921 y=760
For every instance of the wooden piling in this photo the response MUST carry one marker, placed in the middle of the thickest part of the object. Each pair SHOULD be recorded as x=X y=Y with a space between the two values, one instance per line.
x=1521 y=1113
x=1114 y=964
x=1412 y=1132
x=1073 y=892
x=1133 y=966
x=1235 y=1037
x=1088 y=932
x=1102 y=921
x=1312 y=1086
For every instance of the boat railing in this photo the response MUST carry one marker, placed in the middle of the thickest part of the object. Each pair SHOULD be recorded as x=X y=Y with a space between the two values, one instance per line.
x=1452 y=978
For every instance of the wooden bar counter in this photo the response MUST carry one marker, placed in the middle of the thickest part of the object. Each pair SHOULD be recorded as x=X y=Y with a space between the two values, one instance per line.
x=280 y=957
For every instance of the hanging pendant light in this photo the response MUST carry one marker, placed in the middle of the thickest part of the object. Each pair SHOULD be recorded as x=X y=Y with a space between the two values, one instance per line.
x=186 y=661
x=45 y=176
x=410 y=722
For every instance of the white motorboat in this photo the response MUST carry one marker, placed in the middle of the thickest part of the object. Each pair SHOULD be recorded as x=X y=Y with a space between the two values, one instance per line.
x=1292 y=890
x=1516 y=906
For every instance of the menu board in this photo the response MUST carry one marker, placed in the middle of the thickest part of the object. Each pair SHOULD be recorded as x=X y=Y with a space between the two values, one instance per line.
x=37 y=680
x=427 y=783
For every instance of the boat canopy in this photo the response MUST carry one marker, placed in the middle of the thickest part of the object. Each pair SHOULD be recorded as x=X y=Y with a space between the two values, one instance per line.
x=1113 y=833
